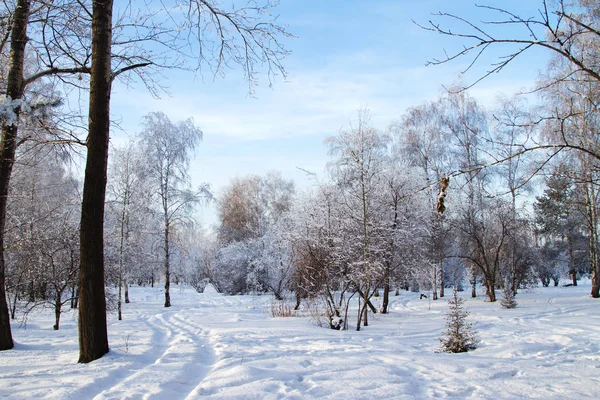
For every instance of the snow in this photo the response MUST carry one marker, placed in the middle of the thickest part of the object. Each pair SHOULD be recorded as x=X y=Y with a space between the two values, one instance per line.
x=229 y=347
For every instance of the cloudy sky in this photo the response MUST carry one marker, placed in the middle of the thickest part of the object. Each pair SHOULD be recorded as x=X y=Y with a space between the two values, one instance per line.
x=347 y=55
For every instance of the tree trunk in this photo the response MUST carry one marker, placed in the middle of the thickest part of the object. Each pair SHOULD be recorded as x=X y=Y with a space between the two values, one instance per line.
x=441 y=256
x=126 y=291
x=8 y=146
x=474 y=285
x=386 y=292
x=119 y=295
x=441 y=272
x=57 y=309
x=491 y=290
x=435 y=280
x=167 y=270
x=571 y=261
x=593 y=237
x=93 y=336
x=73 y=296
x=371 y=306
x=13 y=312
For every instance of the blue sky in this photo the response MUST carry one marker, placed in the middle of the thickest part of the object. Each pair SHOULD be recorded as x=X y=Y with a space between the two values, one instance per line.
x=347 y=55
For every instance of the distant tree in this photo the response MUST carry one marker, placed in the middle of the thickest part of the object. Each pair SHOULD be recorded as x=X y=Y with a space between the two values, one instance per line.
x=249 y=205
x=460 y=335
x=252 y=212
x=42 y=236
x=560 y=223
x=421 y=139
x=358 y=169
x=271 y=268
x=128 y=213
x=323 y=246
x=168 y=148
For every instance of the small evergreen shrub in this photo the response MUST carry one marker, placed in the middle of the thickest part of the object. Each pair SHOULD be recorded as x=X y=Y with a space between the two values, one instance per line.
x=508 y=296
x=460 y=336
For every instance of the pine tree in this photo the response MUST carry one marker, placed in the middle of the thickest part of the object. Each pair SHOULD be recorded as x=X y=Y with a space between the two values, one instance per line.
x=508 y=298
x=460 y=336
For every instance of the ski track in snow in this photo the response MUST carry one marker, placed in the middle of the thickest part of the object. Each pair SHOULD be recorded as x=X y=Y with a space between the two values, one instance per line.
x=228 y=347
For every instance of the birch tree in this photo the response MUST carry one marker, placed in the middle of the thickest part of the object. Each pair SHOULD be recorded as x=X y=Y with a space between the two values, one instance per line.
x=168 y=148
x=358 y=170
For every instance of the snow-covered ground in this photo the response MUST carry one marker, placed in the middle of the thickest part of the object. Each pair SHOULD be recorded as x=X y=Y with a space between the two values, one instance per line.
x=213 y=346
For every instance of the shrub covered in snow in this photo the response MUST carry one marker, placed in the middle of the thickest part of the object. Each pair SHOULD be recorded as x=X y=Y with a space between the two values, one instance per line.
x=460 y=336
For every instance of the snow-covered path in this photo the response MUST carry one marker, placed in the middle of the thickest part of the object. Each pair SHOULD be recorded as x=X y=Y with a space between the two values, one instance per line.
x=213 y=346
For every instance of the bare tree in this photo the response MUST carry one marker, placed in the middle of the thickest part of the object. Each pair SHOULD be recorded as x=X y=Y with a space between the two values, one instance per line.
x=246 y=36
x=128 y=192
x=358 y=171
x=420 y=135
x=560 y=29
x=168 y=148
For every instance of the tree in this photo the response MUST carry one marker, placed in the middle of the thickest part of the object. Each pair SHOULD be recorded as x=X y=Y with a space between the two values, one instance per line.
x=93 y=336
x=358 y=171
x=485 y=236
x=508 y=295
x=168 y=148
x=420 y=134
x=242 y=37
x=42 y=234
x=128 y=192
x=249 y=205
x=323 y=245
x=55 y=47
x=460 y=336
x=562 y=30
x=560 y=221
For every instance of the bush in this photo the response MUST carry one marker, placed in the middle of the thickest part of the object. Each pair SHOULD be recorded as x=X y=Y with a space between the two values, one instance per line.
x=280 y=308
x=508 y=296
x=460 y=336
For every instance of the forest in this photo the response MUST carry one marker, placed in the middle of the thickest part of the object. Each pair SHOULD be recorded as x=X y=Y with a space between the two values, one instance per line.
x=449 y=196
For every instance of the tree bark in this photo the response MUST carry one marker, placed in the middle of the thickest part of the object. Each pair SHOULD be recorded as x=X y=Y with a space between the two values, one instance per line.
x=386 y=291
x=593 y=237
x=126 y=291
x=8 y=146
x=93 y=336
x=57 y=309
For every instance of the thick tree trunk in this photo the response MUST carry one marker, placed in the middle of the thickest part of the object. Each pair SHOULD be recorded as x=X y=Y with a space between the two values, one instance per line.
x=491 y=290
x=93 y=336
x=8 y=146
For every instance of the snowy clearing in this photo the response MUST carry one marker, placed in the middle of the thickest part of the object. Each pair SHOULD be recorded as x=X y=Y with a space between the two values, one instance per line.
x=213 y=346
